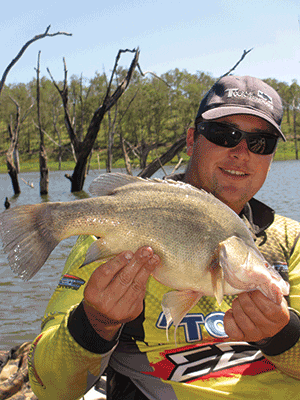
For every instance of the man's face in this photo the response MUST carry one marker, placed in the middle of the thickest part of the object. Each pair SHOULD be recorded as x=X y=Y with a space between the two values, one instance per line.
x=233 y=175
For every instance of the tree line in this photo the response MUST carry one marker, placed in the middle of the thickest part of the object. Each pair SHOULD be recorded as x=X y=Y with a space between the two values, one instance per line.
x=154 y=111
x=150 y=116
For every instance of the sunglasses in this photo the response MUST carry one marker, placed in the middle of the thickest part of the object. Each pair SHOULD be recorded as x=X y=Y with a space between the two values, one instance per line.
x=227 y=135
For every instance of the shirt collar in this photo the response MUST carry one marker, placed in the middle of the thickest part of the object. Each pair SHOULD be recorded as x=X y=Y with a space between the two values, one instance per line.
x=259 y=215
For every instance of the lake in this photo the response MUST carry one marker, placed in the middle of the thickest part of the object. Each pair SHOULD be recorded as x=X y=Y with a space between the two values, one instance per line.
x=23 y=303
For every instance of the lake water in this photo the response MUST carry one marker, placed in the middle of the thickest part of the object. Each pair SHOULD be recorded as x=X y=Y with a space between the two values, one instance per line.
x=23 y=303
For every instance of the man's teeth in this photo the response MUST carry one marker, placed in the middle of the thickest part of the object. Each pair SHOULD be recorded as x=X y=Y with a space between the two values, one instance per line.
x=234 y=172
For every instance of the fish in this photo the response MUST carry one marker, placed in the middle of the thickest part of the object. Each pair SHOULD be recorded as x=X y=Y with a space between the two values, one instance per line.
x=205 y=248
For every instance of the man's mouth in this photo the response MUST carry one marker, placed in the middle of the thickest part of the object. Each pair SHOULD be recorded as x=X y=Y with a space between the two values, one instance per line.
x=234 y=172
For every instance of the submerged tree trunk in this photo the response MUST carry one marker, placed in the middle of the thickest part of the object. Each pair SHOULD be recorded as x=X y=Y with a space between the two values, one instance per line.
x=12 y=154
x=79 y=174
x=110 y=144
x=12 y=171
x=12 y=166
x=125 y=155
x=16 y=158
x=295 y=134
x=44 y=171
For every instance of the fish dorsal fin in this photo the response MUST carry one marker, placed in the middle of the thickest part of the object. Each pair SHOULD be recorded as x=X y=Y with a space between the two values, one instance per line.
x=106 y=184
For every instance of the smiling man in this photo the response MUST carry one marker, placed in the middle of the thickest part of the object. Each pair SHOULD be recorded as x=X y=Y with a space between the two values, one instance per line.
x=235 y=139
x=232 y=174
x=247 y=347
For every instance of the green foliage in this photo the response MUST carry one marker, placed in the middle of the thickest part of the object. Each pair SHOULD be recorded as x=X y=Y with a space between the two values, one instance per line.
x=286 y=151
x=151 y=111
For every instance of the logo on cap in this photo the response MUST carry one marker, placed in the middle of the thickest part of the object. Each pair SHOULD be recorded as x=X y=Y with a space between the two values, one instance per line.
x=260 y=96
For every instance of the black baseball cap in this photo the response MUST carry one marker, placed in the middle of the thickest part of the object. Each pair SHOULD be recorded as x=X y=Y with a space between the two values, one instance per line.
x=233 y=95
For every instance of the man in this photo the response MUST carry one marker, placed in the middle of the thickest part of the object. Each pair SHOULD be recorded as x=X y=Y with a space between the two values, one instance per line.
x=248 y=347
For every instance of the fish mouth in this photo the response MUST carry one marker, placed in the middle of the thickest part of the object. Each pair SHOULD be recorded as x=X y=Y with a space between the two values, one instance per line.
x=234 y=173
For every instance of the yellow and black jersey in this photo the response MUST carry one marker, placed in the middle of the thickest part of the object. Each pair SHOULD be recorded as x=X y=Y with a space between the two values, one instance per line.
x=68 y=356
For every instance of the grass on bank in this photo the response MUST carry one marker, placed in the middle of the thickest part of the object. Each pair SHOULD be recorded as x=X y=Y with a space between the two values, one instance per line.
x=285 y=151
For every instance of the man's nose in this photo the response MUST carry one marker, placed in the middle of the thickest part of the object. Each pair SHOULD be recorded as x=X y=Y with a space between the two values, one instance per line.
x=240 y=151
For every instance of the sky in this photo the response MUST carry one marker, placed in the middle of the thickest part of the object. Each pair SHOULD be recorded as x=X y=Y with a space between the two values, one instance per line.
x=208 y=36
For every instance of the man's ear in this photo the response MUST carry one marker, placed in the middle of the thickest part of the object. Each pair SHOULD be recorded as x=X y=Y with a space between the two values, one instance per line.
x=190 y=141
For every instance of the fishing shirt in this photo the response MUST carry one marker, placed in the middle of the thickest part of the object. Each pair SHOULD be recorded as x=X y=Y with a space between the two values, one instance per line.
x=68 y=356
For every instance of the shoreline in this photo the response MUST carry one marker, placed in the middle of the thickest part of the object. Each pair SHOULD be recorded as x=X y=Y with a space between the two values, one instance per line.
x=69 y=165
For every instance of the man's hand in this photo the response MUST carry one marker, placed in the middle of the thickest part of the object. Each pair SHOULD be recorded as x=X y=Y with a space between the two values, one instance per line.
x=115 y=292
x=253 y=317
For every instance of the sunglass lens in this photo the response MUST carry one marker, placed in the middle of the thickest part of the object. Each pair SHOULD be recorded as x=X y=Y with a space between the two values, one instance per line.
x=262 y=144
x=226 y=136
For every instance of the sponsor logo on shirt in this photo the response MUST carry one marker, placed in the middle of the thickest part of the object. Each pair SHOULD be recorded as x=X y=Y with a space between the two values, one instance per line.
x=193 y=324
x=210 y=360
x=71 y=282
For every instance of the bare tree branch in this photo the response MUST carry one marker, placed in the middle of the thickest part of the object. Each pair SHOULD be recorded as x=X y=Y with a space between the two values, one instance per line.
x=12 y=154
x=163 y=159
x=44 y=170
x=115 y=67
x=19 y=55
x=110 y=101
x=152 y=73
x=28 y=183
x=49 y=137
x=64 y=96
x=240 y=60
x=132 y=148
x=177 y=166
x=27 y=112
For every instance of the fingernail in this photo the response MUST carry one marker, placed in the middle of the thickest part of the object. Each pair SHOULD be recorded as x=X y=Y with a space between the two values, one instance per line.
x=128 y=255
x=146 y=252
x=154 y=260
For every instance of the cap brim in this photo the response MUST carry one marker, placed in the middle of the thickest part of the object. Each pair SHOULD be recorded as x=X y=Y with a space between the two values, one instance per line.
x=219 y=112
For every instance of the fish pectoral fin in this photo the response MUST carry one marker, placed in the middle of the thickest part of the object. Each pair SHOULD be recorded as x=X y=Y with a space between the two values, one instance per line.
x=217 y=278
x=177 y=304
x=97 y=251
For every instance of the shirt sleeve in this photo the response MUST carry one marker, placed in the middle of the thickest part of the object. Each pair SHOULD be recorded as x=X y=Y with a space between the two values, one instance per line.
x=284 y=349
x=61 y=365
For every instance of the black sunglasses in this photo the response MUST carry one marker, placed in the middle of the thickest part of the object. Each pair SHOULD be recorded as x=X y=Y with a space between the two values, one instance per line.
x=227 y=135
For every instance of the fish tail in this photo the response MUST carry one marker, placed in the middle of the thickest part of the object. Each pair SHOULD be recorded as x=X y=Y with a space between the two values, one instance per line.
x=26 y=238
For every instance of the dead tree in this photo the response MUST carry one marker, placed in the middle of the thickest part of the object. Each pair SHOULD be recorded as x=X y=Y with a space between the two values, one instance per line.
x=111 y=136
x=115 y=126
x=44 y=170
x=12 y=154
x=56 y=130
x=125 y=154
x=295 y=129
x=14 y=131
x=83 y=148
x=19 y=55
x=13 y=168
